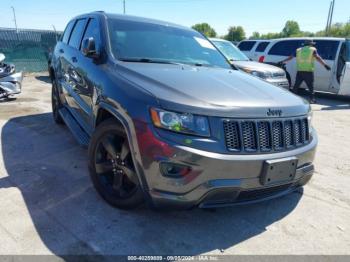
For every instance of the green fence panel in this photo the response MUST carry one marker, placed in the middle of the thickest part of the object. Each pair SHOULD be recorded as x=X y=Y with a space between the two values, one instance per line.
x=28 y=49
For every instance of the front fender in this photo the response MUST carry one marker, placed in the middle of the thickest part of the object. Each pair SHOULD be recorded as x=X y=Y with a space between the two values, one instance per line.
x=125 y=119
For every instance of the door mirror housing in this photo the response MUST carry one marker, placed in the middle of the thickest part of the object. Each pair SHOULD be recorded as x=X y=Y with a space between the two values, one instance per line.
x=88 y=48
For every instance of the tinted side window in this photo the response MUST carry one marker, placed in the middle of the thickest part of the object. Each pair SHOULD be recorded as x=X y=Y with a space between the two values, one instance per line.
x=67 y=32
x=246 y=45
x=327 y=49
x=348 y=50
x=262 y=46
x=93 y=30
x=77 y=33
x=286 y=48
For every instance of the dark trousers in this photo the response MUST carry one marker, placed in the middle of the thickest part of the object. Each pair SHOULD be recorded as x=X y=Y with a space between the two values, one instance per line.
x=308 y=77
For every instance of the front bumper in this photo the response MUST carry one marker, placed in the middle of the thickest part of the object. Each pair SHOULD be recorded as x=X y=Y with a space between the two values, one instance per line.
x=218 y=179
x=223 y=193
x=281 y=82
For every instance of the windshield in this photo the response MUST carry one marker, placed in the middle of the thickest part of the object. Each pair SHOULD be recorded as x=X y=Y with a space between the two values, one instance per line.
x=230 y=51
x=133 y=41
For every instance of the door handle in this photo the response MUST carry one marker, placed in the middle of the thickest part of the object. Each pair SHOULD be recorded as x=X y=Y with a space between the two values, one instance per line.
x=74 y=59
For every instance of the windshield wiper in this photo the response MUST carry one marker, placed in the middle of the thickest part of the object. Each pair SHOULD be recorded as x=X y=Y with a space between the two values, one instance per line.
x=148 y=60
x=203 y=65
x=154 y=61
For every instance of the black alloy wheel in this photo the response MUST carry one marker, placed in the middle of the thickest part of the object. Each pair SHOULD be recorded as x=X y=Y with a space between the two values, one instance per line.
x=111 y=166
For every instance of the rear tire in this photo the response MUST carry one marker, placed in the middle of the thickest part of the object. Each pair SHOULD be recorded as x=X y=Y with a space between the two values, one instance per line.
x=111 y=166
x=56 y=104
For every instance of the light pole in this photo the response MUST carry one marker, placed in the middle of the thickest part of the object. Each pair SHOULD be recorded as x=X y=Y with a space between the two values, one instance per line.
x=14 y=18
x=330 y=17
x=54 y=29
x=124 y=6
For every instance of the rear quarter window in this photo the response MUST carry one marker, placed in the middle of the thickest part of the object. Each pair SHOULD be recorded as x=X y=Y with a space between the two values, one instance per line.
x=285 y=48
x=327 y=49
x=262 y=46
x=246 y=45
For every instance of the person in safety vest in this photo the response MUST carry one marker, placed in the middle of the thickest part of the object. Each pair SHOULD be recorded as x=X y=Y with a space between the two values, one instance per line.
x=306 y=57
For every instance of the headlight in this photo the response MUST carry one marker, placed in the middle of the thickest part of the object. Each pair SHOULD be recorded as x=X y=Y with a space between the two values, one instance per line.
x=263 y=75
x=260 y=74
x=181 y=123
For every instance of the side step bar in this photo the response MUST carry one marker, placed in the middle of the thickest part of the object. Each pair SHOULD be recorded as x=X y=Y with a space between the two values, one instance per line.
x=79 y=134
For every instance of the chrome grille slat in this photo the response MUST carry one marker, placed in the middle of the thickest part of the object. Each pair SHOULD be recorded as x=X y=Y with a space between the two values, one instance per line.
x=297 y=132
x=264 y=136
x=277 y=135
x=288 y=133
x=248 y=136
x=232 y=136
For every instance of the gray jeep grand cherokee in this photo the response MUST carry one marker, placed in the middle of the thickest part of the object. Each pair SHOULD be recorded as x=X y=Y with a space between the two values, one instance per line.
x=169 y=121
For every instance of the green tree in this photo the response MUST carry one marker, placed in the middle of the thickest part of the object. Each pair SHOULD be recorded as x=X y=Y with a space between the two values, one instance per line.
x=271 y=36
x=235 y=33
x=291 y=29
x=337 y=30
x=205 y=29
x=255 y=35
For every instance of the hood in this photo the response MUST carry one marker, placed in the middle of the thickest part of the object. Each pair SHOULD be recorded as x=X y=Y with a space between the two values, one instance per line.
x=211 y=91
x=255 y=66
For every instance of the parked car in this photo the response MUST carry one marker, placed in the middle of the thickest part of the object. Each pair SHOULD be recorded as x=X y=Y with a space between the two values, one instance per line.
x=253 y=48
x=169 y=121
x=335 y=52
x=272 y=74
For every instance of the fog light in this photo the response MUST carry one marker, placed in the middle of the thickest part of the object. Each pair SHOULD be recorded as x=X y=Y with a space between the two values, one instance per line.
x=174 y=170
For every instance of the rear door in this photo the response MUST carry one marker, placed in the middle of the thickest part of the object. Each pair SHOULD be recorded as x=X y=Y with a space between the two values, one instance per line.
x=60 y=62
x=328 y=50
x=246 y=47
x=343 y=72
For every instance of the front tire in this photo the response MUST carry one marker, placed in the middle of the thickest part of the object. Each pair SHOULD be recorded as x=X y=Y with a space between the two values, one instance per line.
x=111 y=166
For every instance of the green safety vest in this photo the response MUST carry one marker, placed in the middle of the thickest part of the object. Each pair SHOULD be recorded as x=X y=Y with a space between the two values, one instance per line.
x=306 y=59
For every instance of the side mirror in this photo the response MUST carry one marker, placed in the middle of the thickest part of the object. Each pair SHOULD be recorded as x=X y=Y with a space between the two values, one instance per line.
x=88 y=48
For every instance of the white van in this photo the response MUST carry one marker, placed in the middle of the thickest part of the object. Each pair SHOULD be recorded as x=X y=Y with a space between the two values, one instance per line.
x=253 y=48
x=335 y=52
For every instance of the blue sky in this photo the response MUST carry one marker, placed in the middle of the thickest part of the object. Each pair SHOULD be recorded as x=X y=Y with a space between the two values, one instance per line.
x=254 y=15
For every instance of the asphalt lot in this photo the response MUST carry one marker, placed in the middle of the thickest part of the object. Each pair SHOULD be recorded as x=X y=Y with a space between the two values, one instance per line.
x=48 y=205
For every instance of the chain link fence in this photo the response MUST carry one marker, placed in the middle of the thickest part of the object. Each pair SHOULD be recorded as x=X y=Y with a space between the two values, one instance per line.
x=28 y=49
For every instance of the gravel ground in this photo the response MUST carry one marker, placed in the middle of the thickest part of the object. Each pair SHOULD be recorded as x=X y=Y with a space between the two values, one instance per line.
x=48 y=205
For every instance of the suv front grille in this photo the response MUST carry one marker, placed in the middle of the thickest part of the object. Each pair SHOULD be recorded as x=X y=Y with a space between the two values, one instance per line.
x=248 y=136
